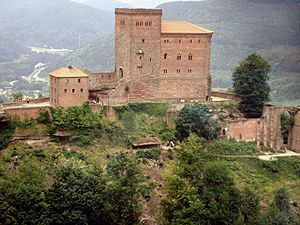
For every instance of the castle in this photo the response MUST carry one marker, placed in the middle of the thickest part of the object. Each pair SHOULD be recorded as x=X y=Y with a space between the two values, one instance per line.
x=155 y=61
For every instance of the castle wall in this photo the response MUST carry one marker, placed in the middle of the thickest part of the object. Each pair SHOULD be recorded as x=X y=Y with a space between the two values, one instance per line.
x=138 y=33
x=243 y=129
x=23 y=112
x=102 y=80
x=294 y=137
x=185 y=66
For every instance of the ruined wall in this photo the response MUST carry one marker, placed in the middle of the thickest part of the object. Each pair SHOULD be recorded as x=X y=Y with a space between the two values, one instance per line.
x=294 y=136
x=243 y=129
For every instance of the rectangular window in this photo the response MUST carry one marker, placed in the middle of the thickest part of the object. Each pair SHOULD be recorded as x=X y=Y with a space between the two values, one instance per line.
x=189 y=71
x=73 y=90
x=65 y=90
x=178 y=71
x=81 y=90
x=165 y=71
x=79 y=80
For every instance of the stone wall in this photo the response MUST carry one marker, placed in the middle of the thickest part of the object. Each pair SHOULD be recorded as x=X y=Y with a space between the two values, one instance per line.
x=68 y=91
x=243 y=129
x=29 y=112
x=102 y=80
x=185 y=66
x=294 y=137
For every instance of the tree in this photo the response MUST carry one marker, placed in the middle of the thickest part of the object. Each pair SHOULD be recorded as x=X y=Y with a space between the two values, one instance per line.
x=76 y=197
x=22 y=196
x=124 y=190
x=17 y=96
x=250 y=84
x=196 y=119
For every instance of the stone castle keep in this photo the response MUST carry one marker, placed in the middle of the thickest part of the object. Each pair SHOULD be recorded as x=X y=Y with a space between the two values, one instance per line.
x=155 y=61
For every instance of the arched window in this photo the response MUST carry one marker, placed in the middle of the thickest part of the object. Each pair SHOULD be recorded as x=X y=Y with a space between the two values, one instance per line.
x=121 y=72
x=190 y=56
x=179 y=56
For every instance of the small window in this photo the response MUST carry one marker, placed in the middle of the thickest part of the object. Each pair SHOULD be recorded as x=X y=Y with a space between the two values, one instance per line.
x=141 y=23
x=73 y=90
x=79 y=80
x=137 y=24
x=65 y=90
x=179 y=41
x=178 y=71
x=165 y=71
x=150 y=23
x=140 y=57
x=81 y=90
x=150 y=59
x=143 y=41
x=199 y=41
x=189 y=71
x=165 y=56
x=191 y=41
x=190 y=56
x=146 y=24
x=179 y=56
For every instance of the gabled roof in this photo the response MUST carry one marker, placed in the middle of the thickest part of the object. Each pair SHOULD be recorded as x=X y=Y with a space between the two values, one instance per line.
x=69 y=72
x=182 y=27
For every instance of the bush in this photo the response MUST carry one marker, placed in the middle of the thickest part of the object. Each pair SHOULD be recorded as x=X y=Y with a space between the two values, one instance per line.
x=196 y=119
x=44 y=116
x=7 y=130
x=149 y=154
x=151 y=108
x=232 y=147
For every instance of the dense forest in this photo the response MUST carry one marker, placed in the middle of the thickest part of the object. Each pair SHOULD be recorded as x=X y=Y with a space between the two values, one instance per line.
x=87 y=173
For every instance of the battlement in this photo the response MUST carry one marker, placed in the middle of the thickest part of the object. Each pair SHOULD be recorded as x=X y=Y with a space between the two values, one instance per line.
x=119 y=11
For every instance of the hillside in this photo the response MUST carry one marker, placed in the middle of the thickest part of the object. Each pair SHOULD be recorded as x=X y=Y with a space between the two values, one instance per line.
x=108 y=5
x=43 y=23
x=53 y=23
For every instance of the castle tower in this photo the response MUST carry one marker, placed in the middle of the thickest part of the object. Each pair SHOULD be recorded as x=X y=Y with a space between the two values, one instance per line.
x=138 y=42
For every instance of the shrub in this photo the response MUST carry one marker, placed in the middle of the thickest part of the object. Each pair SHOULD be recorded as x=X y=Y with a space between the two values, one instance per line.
x=149 y=154
x=232 y=147
x=196 y=119
x=44 y=116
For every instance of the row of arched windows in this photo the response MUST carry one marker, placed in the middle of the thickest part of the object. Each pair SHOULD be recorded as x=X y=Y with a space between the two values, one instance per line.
x=141 y=23
x=166 y=41
x=178 y=71
x=179 y=56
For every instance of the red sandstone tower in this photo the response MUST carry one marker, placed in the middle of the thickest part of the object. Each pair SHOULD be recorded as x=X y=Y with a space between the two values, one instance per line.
x=162 y=60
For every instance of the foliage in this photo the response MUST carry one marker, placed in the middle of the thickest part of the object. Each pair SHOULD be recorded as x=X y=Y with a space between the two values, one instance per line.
x=82 y=124
x=196 y=119
x=76 y=197
x=167 y=134
x=7 y=129
x=151 y=108
x=286 y=120
x=17 y=96
x=232 y=147
x=22 y=197
x=123 y=190
x=149 y=154
x=115 y=135
x=250 y=84
x=44 y=116
x=26 y=123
